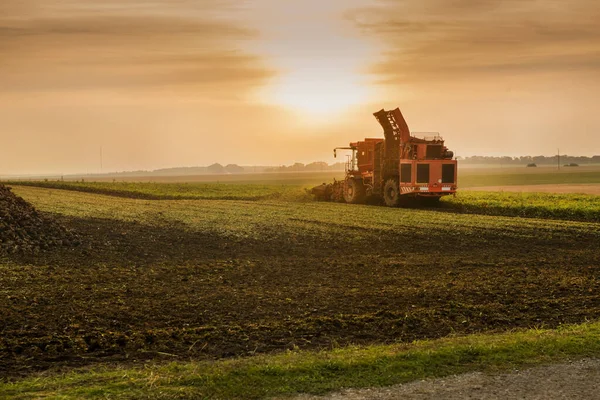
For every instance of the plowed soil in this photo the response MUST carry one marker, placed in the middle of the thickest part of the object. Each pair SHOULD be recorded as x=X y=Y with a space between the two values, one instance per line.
x=172 y=290
x=24 y=230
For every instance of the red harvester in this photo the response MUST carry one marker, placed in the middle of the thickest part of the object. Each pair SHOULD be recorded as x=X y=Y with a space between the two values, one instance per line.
x=397 y=168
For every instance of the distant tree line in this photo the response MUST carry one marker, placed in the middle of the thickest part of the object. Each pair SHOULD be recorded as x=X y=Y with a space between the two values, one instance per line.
x=524 y=160
x=297 y=167
x=219 y=169
x=312 y=167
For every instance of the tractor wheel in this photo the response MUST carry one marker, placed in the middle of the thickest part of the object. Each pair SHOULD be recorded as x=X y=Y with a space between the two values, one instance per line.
x=391 y=193
x=354 y=191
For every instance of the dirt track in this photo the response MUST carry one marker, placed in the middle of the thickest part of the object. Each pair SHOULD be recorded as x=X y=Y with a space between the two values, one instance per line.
x=576 y=380
x=583 y=188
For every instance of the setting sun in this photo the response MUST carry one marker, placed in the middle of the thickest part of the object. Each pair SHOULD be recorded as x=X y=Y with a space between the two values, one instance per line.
x=310 y=92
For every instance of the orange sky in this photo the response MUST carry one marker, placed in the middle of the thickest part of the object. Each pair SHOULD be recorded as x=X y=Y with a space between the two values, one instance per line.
x=192 y=82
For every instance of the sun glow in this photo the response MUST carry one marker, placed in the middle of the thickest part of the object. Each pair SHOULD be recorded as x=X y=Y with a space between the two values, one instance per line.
x=315 y=92
x=319 y=59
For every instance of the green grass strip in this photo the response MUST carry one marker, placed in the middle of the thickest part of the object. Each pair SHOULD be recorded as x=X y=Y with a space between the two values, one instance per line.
x=570 y=207
x=317 y=372
x=177 y=191
x=518 y=176
x=567 y=206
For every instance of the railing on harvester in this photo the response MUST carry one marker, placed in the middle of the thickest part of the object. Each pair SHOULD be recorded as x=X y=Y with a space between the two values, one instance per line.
x=429 y=136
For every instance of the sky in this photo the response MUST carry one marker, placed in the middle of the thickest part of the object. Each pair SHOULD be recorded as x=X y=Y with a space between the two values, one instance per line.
x=89 y=86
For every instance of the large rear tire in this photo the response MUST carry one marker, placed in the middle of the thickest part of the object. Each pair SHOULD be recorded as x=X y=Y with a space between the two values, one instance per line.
x=354 y=191
x=391 y=193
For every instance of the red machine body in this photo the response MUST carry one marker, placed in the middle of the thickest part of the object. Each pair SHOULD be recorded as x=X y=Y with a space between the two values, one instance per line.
x=399 y=166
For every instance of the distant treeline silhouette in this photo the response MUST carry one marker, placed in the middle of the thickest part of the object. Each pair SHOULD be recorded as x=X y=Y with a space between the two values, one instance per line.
x=524 y=160
x=312 y=167
x=230 y=169
x=321 y=166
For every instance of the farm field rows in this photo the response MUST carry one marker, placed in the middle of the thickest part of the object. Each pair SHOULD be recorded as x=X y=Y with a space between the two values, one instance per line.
x=178 y=191
x=542 y=176
x=578 y=207
x=574 y=207
x=207 y=279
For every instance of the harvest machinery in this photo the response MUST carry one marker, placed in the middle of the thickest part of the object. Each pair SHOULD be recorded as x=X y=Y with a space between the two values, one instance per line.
x=397 y=168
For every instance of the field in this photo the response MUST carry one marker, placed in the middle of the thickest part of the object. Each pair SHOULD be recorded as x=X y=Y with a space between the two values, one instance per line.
x=173 y=272
x=212 y=278
x=580 y=207
x=473 y=177
x=177 y=191
x=283 y=375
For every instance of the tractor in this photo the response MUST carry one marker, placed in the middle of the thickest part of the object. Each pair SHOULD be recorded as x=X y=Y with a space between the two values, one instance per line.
x=400 y=168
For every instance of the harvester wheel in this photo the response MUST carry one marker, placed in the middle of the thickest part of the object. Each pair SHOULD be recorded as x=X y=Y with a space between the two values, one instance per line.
x=354 y=191
x=391 y=193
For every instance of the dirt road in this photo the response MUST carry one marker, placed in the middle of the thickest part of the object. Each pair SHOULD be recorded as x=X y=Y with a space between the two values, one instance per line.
x=573 y=380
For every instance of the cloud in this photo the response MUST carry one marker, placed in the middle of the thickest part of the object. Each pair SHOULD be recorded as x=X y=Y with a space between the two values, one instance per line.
x=117 y=26
x=447 y=39
x=76 y=45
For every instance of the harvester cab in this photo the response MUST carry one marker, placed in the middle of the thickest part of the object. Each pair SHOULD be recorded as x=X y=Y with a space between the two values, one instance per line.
x=401 y=166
